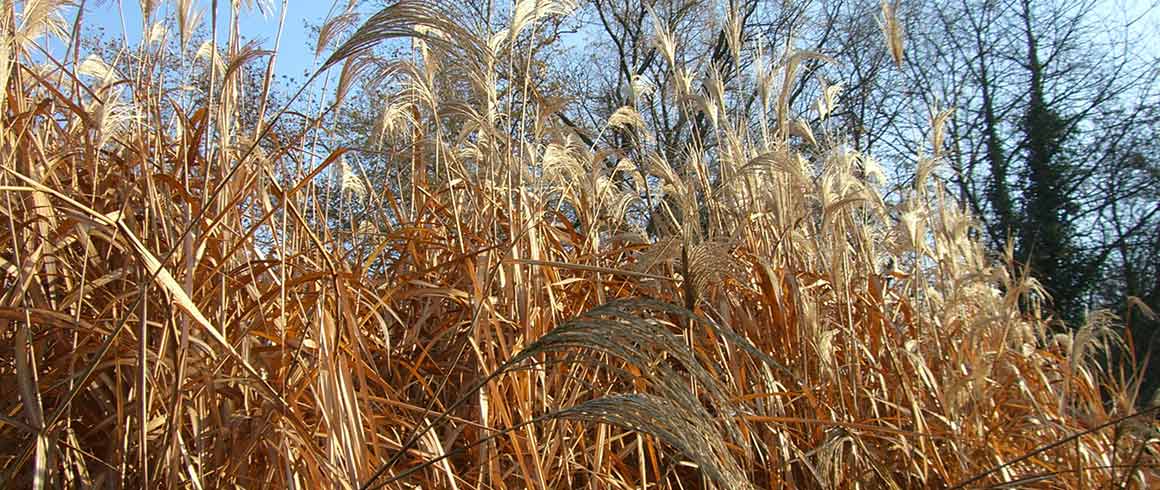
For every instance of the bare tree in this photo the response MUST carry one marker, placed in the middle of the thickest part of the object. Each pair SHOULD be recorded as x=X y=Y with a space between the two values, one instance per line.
x=1050 y=104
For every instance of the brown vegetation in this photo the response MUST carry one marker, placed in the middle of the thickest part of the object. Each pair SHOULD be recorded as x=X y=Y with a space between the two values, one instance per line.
x=186 y=304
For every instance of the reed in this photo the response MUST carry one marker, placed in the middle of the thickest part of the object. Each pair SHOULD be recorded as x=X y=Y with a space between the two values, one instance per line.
x=196 y=295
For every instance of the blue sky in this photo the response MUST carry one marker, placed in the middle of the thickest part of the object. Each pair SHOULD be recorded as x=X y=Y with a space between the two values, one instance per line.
x=295 y=55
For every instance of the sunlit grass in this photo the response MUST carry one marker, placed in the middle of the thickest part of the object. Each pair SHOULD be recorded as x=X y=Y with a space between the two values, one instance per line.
x=196 y=298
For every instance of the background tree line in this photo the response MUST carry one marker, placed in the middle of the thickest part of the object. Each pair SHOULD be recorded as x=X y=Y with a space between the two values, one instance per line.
x=1052 y=114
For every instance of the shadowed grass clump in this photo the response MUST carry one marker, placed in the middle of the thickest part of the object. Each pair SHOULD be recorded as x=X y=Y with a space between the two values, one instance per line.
x=196 y=294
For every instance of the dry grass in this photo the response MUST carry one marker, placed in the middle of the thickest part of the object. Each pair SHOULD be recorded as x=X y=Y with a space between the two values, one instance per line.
x=180 y=308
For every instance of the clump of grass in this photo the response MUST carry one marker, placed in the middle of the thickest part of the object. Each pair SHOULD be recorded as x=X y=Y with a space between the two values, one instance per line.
x=192 y=298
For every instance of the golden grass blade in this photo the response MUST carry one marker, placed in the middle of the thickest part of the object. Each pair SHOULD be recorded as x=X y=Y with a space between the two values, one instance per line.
x=416 y=19
x=892 y=29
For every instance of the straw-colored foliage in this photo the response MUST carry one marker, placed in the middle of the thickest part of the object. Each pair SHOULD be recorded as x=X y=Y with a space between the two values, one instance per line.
x=194 y=299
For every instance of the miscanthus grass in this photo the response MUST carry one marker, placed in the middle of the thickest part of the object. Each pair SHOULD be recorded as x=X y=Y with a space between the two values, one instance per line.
x=197 y=291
